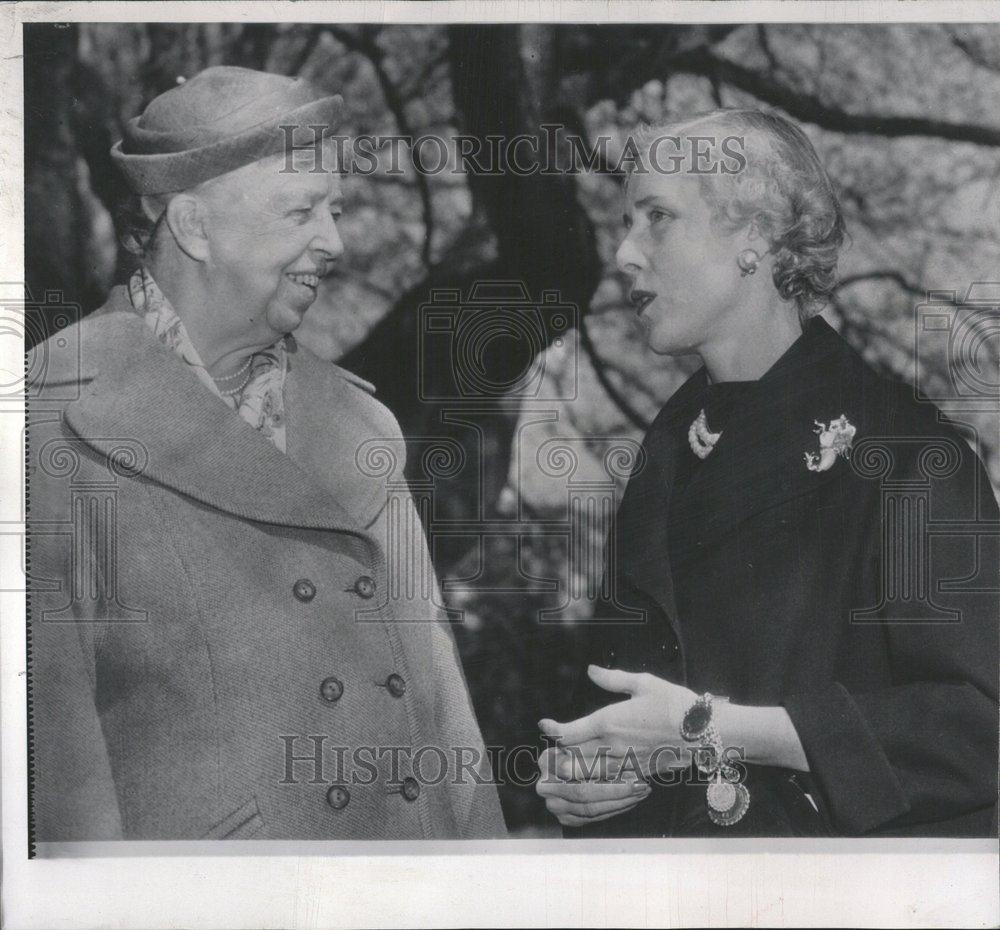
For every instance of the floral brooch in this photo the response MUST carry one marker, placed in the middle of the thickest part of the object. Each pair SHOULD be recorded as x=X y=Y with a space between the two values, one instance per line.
x=835 y=439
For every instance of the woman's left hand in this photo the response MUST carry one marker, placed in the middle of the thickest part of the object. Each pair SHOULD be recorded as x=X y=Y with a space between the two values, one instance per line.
x=643 y=731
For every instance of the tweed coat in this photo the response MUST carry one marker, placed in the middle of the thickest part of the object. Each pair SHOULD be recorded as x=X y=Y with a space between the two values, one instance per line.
x=862 y=598
x=218 y=642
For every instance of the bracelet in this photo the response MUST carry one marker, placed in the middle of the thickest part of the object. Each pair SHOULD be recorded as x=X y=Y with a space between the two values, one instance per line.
x=698 y=727
x=726 y=797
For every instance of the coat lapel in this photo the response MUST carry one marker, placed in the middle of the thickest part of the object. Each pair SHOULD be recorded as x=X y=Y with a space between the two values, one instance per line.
x=759 y=461
x=193 y=443
x=641 y=525
x=329 y=419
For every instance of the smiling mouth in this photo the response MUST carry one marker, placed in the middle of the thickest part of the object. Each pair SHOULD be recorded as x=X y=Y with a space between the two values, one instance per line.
x=308 y=279
x=641 y=299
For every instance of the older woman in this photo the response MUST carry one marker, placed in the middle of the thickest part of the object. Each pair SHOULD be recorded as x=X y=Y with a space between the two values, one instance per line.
x=795 y=656
x=219 y=644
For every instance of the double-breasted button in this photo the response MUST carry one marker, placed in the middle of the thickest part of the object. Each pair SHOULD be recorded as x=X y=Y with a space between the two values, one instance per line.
x=365 y=587
x=410 y=789
x=396 y=685
x=338 y=797
x=304 y=590
x=331 y=689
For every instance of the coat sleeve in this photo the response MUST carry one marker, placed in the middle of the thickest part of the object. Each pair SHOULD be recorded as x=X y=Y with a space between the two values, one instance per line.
x=477 y=805
x=73 y=795
x=924 y=747
x=475 y=801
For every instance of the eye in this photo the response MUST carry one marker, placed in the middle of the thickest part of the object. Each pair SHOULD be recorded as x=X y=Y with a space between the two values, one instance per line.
x=300 y=214
x=656 y=215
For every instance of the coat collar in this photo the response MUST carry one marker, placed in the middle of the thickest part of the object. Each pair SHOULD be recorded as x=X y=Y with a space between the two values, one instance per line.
x=757 y=464
x=194 y=444
x=759 y=461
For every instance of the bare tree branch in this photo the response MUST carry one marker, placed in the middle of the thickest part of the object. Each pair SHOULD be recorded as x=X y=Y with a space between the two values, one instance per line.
x=883 y=275
x=600 y=370
x=364 y=42
x=763 y=40
x=305 y=53
x=811 y=109
x=416 y=86
x=891 y=275
x=973 y=52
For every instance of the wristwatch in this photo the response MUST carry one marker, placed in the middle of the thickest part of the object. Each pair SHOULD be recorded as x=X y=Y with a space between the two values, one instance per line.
x=726 y=797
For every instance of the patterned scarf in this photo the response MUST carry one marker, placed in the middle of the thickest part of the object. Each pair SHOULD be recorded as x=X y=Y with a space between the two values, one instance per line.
x=261 y=402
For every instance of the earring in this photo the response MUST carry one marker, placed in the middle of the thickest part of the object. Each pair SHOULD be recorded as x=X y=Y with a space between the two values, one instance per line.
x=748 y=260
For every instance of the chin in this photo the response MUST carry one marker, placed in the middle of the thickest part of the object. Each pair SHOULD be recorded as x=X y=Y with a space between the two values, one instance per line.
x=667 y=346
x=285 y=317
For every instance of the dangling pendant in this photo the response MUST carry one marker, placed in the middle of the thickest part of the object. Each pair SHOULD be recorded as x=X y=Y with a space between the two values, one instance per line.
x=700 y=438
x=727 y=800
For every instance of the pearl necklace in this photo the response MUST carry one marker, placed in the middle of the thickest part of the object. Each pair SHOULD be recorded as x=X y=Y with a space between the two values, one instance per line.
x=700 y=438
x=244 y=369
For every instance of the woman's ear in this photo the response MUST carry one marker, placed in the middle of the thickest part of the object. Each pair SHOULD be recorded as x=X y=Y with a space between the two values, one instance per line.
x=755 y=234
x=186 y=219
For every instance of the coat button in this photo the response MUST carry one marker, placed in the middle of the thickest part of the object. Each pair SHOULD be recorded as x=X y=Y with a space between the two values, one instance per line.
x=304 y=590
x=410 y=789
x=331 y=689
x=365 y=587
x=338 y=797
x=396 y=685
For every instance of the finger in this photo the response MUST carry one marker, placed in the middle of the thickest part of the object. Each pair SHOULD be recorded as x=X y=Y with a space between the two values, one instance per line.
x=614 y=679
x=585 y=792
x=570 y=820
x=548 y=763
x=593 y=760
x=560 y=806
x=576 y=731
x=580 y=763
x=570 y=814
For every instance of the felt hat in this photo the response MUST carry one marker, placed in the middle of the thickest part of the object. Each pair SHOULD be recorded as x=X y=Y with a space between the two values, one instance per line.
x=221 y=119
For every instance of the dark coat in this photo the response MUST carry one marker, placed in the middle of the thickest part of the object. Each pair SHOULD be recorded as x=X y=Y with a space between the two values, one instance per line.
x=863 y=599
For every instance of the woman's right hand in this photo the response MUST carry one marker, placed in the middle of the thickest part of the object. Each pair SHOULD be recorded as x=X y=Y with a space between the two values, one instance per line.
x=577 y=803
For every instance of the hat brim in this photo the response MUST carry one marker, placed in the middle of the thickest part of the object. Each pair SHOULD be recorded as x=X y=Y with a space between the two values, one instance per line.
x=166 y=172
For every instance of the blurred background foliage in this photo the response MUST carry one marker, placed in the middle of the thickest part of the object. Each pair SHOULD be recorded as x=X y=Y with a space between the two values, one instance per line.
x=905 y=117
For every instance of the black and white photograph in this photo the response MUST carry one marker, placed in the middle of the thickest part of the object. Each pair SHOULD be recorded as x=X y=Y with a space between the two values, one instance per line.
x=492 y=431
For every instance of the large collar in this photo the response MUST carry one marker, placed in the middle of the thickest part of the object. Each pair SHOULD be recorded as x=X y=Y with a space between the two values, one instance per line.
x=190 y=441
x=758 y=463
x=760 y=460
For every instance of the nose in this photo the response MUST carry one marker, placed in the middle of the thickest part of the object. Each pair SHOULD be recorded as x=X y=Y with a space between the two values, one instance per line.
x=327 y=239
x=628 y=258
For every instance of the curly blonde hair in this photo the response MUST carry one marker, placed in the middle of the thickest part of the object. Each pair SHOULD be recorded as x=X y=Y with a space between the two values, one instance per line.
x=783 y=190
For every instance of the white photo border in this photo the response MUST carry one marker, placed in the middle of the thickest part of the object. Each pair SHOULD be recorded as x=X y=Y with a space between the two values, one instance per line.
x=767 y=882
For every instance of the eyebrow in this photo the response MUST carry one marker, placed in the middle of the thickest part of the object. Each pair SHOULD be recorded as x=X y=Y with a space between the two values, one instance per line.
x=651 y=199
x=290 y=199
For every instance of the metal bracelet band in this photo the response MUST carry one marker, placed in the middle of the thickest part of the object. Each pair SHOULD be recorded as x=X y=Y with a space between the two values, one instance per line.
x=708 y=754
